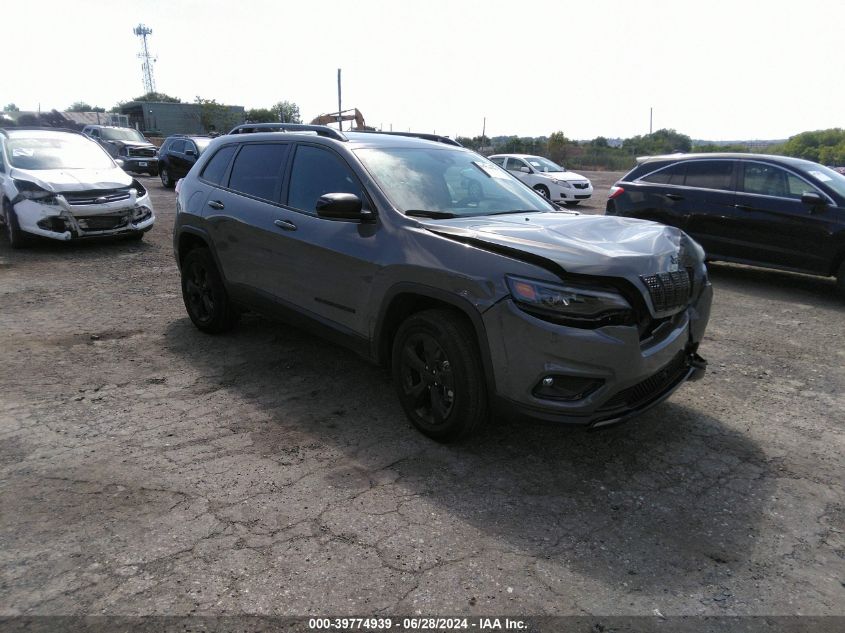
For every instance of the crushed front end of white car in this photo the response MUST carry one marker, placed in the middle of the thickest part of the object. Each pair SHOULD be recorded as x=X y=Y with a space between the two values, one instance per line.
x=65 y=211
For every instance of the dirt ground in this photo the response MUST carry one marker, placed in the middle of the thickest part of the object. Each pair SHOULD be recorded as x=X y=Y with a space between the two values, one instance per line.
x=146 y=468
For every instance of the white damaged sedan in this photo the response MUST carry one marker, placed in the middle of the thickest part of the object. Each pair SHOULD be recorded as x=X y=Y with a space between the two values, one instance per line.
x=61 y=185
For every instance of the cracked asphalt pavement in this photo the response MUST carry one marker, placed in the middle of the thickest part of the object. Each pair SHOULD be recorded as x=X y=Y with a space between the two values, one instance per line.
x=147 y=468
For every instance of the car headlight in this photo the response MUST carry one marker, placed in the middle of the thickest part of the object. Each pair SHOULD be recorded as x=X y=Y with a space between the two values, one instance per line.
x=567 y=304
x=563 y=183
x=31 y=191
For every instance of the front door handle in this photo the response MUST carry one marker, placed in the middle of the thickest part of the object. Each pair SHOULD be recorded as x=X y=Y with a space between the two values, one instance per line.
x=285 y=224
x=216 y=204
x=674 y=196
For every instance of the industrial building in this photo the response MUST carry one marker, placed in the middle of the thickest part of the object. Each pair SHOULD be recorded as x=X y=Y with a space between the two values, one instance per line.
x=163 y=119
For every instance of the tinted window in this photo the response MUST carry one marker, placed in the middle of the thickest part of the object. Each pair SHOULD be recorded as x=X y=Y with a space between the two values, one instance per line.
x=514 y=164
x=672 y=175
x=177 y=146
x=216 y=167
x=257 y=170
x=709 y=174
x=316 y=172
x=769 y=180
x=499 y=161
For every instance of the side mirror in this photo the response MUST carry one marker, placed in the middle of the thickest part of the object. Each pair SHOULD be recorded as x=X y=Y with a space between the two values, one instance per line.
x=525 y=170
x=119 y=162
x=341 y=206
x=190 y=152
x=812 y=199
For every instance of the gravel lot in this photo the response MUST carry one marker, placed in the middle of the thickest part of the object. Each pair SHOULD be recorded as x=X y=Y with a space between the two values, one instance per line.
x=146 y=468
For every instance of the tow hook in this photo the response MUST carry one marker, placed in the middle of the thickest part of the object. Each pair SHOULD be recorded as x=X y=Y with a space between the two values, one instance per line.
x=698 y=364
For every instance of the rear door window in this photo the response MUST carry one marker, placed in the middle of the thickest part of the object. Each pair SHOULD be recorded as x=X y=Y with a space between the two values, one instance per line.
x=215 y=169
x=177 y=146
x=710 y=174
x=316 y=172
x=257 y=170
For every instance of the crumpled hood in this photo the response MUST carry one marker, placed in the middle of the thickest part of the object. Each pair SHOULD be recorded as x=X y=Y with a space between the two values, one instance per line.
x=582 y=244
x=59 y=180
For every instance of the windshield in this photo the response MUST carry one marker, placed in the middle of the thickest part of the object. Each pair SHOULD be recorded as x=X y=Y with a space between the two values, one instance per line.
x=829 y=177
x=122 y=134
x=57 y=151
x=448 y=183
x=543 y=164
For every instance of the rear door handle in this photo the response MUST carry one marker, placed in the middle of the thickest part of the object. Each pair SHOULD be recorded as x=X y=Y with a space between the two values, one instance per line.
x=216 y=204
x=285 y=224
x=673 y=196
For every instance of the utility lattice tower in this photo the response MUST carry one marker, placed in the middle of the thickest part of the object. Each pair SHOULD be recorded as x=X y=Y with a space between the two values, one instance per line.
x=147 y=64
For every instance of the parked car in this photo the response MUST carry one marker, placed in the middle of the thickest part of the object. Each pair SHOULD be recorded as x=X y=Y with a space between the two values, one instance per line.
x=500 y=300
x=549 y=179
x=62 y=185
x=177 y=155
x=770 y=211
x=127 y=144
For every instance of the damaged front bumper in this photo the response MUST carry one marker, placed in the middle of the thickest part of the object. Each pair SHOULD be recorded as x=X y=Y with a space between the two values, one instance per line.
x=60 y=220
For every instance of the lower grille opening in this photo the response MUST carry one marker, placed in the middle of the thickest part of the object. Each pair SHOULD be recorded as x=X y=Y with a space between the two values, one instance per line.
x=651 y=387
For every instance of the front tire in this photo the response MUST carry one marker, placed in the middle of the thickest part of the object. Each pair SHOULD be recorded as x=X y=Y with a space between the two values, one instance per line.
x=438 y=375
x=204 y=294
x=17 y=238
x=543 y=190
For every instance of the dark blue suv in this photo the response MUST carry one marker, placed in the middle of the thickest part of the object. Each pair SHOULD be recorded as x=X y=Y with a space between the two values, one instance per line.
x=472 y=291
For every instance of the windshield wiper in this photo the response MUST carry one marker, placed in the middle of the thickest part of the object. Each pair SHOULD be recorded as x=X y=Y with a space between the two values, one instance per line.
x=424 y=213
x=517 y=211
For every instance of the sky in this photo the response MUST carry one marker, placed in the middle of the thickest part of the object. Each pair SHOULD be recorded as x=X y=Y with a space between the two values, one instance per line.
x=713 y=70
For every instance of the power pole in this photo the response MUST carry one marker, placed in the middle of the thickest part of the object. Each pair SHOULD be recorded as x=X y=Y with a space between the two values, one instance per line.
x=339 y=107
x=147 y=64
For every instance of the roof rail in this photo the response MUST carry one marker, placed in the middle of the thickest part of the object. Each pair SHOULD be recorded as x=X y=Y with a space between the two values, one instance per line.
x=321 y=130
x=427 y=137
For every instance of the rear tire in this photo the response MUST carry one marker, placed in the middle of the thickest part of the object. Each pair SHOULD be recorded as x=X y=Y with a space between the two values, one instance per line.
x=204 y=294
x=17 y=238
x=438 y=375
x=166 y=180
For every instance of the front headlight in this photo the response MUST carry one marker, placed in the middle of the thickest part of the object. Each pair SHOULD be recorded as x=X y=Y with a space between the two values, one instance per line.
x=570 y=304
x=31 y=191
x=563 y=184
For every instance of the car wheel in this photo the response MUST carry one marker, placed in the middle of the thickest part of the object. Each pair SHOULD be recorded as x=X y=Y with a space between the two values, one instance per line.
x=204 y=294
x=543 y=191
x=438 y=375
x=16 y=237
x=166 y=180
x=840 y=278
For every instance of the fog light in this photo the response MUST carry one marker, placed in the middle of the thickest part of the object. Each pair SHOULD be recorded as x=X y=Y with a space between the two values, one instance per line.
x=567 y=388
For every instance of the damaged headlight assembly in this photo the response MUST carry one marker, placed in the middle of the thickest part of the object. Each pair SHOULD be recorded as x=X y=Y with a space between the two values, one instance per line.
x=30 y=191
x=571 y=305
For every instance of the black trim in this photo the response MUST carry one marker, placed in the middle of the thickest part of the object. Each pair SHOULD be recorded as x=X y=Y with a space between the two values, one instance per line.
x=321 y=130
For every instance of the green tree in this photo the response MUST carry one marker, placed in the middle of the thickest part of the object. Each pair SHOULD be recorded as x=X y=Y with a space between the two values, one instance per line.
x=11 y=107
x=660 y=142
x=216 y=116
x=82 y=106
x=287 y=112
x=261 y=115
x=159 y=97
x=820 y=146
x=557 y=147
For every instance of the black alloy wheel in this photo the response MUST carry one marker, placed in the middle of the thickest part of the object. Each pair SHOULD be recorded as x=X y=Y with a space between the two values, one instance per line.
x=204 y=294
x=438 y=375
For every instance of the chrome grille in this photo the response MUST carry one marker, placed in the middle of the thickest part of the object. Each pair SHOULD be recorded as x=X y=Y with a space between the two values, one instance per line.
x=96 y=197
x=580 y=185
x=668 y=291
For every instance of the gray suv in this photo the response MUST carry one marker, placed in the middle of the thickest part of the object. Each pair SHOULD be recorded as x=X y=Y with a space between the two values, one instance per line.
x=475 y=297
x=128 y=145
